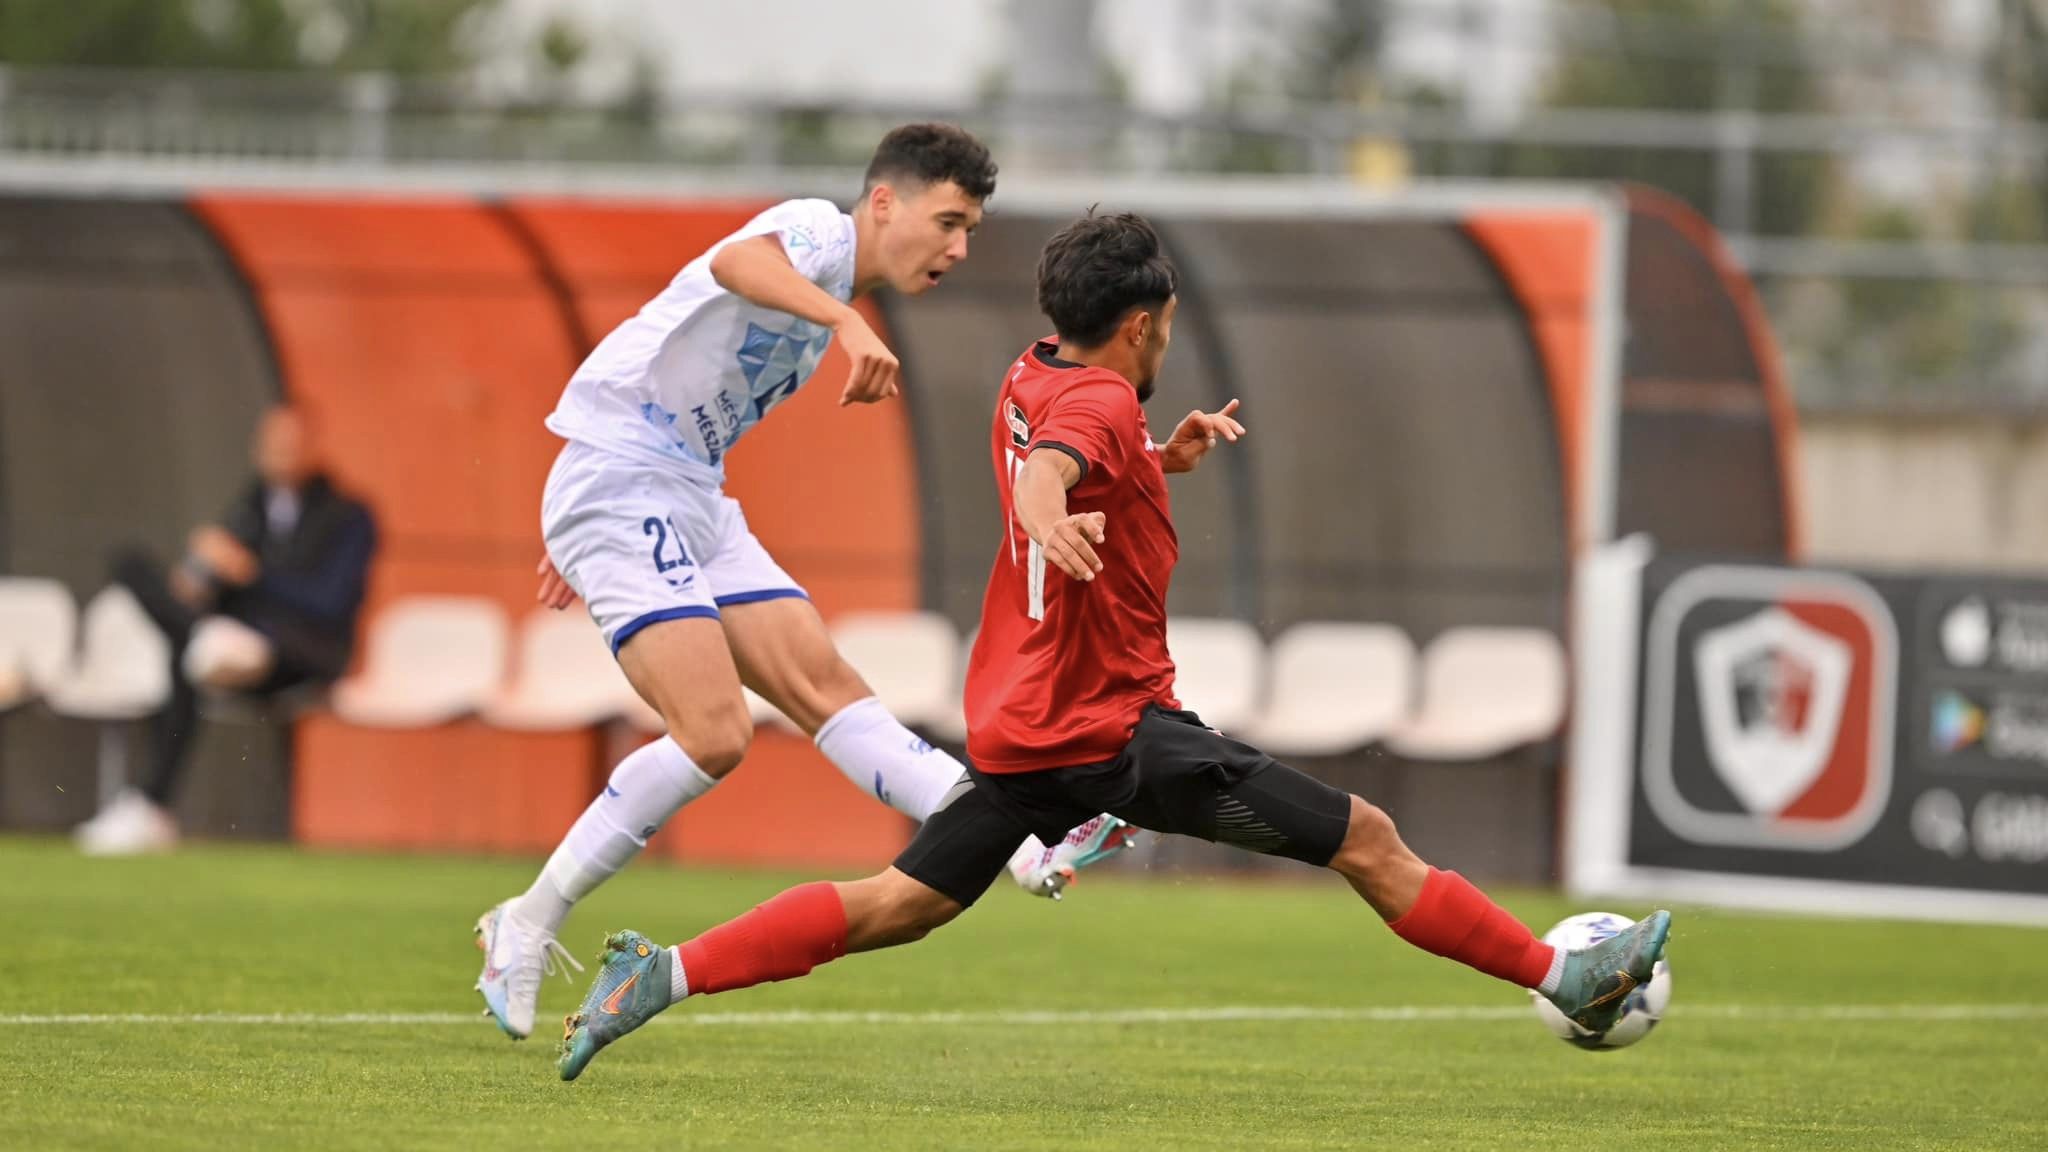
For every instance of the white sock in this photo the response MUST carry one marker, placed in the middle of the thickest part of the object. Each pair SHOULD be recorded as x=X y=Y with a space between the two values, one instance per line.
x=678 y=980
x=647 y=788
x=887 y=760
x=1555 y=976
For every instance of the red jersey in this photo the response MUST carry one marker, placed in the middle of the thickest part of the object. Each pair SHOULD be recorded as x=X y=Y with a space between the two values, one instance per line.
x=1062 y=669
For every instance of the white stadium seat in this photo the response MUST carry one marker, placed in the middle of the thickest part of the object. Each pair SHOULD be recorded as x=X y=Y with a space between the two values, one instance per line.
x=949 y=726
x=124 y=667
x=1220 y=665
x=123 y=673
x=1334 y=688
x=1485 y=691
x=909 y=658
x=38 y=625
x=431 y=659
x=563 y=677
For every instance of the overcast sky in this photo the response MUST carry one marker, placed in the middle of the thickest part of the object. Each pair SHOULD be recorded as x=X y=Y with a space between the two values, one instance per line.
x=1170 y=51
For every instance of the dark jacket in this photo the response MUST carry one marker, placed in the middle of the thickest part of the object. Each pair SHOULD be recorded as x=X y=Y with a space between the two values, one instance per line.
x=311 y=586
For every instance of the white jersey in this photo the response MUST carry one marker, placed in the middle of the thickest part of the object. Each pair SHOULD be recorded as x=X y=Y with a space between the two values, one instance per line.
x=685 y=378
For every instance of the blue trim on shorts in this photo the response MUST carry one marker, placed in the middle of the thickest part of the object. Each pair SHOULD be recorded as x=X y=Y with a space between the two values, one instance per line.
x=763 y=594
x=686 y=612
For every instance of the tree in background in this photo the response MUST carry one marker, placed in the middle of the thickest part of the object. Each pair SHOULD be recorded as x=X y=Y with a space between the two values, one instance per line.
x=2008 y=206
x=2008 y=349
x=2022 y=57
x=1339 y=57
x=1333 y=55
x=405 y=37
x=1689 y=56
x=1238 y=150
x=1891 y=337
x=514 y=93
x=1942 y=337
x=1336 y=53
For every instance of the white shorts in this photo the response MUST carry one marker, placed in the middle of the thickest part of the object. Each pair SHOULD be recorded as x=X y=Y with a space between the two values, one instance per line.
x=642 y=545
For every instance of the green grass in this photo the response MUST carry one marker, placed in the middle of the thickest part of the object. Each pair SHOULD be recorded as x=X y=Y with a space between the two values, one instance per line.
x=266 y=931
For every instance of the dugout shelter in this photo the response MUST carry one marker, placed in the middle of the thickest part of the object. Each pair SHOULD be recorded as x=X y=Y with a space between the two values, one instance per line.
x=1452 y=391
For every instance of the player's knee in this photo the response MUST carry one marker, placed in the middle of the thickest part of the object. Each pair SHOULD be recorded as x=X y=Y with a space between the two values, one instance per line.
x=716 y=740
x=914 y=912
x=889 y=909
x=1370 y=841
x=220 y=677
x=908 y=912
x=226 y=654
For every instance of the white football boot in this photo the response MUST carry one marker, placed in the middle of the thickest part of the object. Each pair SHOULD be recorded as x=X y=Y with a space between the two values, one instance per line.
x=1047 y=872
x=516 y=956
x=129 y=825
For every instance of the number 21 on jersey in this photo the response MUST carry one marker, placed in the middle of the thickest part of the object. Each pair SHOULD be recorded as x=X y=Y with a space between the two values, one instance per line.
x=661 y=529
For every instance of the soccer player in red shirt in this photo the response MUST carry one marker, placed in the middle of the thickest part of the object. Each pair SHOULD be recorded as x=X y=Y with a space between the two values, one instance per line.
x=1070 y=707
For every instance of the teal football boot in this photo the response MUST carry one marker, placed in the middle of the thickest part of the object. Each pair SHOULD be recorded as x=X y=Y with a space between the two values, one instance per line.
x=1597 y=980
x=631 y=988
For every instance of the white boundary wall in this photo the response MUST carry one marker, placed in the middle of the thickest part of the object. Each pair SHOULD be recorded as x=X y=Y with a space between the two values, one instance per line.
x=1961 y=490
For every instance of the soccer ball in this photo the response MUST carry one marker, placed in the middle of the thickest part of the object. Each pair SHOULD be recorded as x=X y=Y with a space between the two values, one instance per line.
x=1644 y=1007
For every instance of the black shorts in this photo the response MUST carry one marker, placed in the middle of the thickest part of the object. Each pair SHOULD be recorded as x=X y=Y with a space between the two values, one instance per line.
x=1176 y=775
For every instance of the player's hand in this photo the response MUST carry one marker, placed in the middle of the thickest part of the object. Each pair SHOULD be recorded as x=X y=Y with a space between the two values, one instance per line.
x=220 y=553
x=188 y=586
x=1198 y=433
x=876 y=375
x=554 y=591
x=1070 y=544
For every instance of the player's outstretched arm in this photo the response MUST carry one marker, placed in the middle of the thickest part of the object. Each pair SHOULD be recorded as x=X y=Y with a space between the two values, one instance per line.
x=554 y=591
x=1197 y=434
x=758 y=270
x=1040 y=498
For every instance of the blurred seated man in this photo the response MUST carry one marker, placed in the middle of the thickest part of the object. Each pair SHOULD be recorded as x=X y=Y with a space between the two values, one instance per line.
x=259 y=604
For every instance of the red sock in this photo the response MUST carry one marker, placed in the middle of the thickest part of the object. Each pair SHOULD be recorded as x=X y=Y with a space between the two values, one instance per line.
x=1455 y=920
x=779 y=940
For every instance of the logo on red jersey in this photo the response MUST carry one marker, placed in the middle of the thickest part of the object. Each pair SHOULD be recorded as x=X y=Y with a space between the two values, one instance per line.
x=1020 y=428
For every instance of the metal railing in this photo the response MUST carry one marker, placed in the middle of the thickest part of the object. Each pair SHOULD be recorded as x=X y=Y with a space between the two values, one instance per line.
x=1828 y=296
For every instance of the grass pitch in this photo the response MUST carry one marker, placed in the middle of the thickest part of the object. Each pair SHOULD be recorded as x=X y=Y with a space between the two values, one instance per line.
x=339 y=991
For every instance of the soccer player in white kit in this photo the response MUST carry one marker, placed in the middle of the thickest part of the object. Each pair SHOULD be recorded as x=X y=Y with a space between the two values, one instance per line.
x=693 y=606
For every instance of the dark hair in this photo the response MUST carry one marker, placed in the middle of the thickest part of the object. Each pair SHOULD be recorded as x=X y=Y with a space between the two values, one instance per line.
x=1096 y=270
x=293 y=409
x=934 y=154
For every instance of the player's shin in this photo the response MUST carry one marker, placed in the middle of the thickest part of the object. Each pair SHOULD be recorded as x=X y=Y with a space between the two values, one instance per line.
x=887 y=760
x=1455 y=920
x=781 y=939
x=1438 y=911
x=647 y=788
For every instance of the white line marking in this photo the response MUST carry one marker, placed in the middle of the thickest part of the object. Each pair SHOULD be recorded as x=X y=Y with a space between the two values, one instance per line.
x=1390 y=1014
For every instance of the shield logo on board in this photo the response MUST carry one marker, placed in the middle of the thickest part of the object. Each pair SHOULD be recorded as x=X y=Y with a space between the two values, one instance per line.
x=1768 y=708
x=1771 y=691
